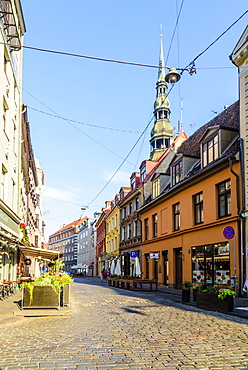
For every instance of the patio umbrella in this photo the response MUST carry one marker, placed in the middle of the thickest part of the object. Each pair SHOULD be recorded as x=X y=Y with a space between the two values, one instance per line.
x=118 y=268
x=112 y=267
x=137 y=269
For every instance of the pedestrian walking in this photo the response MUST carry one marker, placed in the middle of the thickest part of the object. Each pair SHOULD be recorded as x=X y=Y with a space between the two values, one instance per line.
x=102 y=276
x=105 y=274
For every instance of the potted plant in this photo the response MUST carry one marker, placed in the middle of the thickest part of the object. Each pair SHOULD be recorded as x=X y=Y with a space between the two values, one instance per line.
x=47 y=291
x=195 y=290
x=215 y=298
x=186 y=286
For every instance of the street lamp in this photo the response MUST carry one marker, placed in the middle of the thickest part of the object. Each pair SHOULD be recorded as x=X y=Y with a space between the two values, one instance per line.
x=172 y=76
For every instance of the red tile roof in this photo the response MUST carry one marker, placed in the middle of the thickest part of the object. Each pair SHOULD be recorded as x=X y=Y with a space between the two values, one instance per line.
x=74 y=223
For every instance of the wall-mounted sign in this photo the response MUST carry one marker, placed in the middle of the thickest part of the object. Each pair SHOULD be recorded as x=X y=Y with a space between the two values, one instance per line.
x=133 y=254
x=154 y=255
x=223 y=251
x=228 y=232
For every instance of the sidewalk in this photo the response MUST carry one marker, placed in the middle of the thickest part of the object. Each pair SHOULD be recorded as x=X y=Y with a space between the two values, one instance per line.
x=7 y=307
x=241 y=304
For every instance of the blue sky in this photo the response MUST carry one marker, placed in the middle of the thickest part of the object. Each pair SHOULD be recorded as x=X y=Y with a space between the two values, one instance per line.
x=78 y=159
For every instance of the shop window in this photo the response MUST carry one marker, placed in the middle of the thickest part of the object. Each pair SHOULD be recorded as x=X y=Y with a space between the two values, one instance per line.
x=146 y=229
x=176 y=172
x=198 y=208
x=155 y=225
x=176 y=216
x=224 y=199
x=211 y=264
x=210 y=150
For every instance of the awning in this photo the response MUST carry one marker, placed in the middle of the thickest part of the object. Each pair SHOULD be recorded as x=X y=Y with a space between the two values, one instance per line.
x=78 y=267
x=38 y=252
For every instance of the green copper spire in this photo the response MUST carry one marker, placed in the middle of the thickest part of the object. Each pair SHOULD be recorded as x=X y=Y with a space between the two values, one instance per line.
x=162 y=132
x=161 y=71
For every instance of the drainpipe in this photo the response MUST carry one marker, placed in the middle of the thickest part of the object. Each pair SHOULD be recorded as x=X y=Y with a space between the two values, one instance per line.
x=242 y=214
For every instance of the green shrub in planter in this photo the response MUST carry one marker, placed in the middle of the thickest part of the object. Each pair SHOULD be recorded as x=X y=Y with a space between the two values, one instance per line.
x=45 y=291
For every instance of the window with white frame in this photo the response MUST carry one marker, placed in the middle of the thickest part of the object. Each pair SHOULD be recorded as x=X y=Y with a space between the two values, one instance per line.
x=210 y=150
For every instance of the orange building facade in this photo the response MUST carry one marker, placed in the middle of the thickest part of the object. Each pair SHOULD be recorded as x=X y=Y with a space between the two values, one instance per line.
x=186 y=229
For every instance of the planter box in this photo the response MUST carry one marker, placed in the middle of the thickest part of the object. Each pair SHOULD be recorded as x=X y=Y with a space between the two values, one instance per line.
x=42 y=297
x=65 y=295
x=211 y=302
x=185 y=295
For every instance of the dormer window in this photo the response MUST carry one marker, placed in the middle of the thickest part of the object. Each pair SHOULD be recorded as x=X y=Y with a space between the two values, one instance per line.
x=156 y=188
x=143 y=173
x=210 y=150
x=176 y=172
x=133 y=181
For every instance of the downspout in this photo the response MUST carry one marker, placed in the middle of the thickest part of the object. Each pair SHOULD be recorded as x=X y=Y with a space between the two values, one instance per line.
x=239 y=211
x=241 y=214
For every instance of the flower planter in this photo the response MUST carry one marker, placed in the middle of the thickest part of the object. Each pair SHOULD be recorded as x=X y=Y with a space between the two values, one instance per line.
x=65 y=295
x=211 y=302
x=41 y=297
x=185 y=295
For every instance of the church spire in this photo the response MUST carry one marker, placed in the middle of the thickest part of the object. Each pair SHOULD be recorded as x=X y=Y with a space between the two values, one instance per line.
x=161 y=71
x=162 y=131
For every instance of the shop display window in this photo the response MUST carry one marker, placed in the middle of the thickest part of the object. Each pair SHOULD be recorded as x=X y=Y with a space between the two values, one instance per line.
x=211 y=264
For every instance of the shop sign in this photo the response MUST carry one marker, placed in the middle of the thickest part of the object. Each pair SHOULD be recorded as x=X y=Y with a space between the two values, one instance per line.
x=154 y=255
x=223 y=251
x=8 y=221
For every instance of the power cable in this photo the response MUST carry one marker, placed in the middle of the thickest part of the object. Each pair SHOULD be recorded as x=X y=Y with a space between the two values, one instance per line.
x=65 y=119
x=175 y=28
x=127 y=154
x=124 y=160
x=83 y=123
x=212 y=43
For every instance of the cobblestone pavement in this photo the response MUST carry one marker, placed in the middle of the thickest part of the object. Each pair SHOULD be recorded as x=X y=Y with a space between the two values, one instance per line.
x=115 y=329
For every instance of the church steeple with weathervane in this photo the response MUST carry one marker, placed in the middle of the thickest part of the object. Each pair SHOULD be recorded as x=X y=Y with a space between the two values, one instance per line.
x=162 y=132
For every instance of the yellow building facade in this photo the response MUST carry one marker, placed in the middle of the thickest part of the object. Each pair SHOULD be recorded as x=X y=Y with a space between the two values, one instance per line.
x=113 y=231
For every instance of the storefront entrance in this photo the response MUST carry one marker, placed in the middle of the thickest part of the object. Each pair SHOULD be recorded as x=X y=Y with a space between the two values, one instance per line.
x=178 y=269
x=166 y=270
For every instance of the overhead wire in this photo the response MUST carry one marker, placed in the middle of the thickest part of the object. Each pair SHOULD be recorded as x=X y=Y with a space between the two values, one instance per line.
x=135 y=64
x=212 y=43
x=182 y=70
x=175 y=28
x=83 y=123
x=65 y=119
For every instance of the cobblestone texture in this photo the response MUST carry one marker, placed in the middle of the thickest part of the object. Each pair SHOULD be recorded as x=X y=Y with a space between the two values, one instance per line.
x=115 y=329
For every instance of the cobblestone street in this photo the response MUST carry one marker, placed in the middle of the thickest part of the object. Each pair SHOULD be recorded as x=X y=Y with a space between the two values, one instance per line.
x=115 y=329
